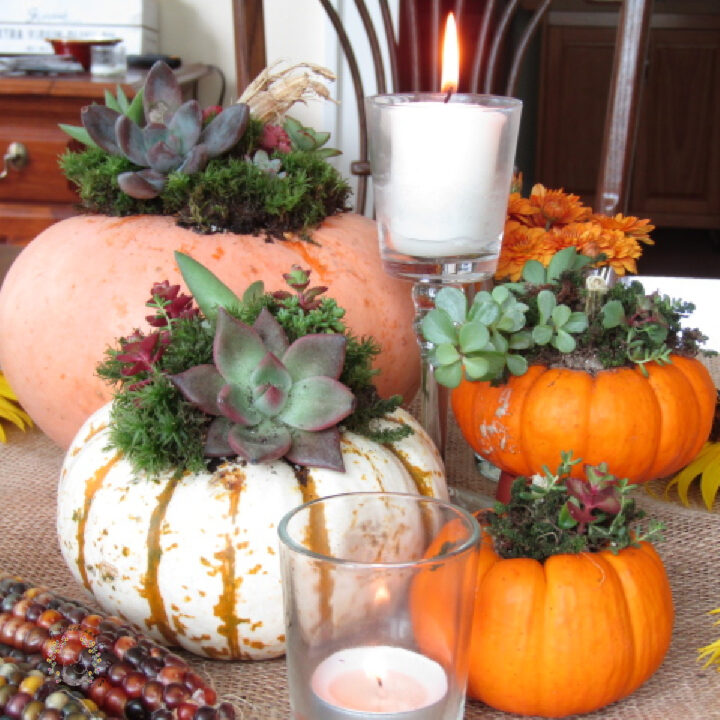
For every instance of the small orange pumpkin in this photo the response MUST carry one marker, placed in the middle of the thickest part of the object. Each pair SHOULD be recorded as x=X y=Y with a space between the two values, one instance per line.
x=83 y=282
x=569 y=635
x=643 y=427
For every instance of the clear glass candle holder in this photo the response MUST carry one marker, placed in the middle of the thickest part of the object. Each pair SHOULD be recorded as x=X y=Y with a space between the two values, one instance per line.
x=378 y=591
x=442 y=168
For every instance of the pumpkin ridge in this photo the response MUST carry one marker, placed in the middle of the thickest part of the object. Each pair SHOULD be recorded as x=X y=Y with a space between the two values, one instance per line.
x=705 y=393
x=419 y=477
x=679 y=419
x=648 y=597
x=150 y=591
x=92 y=486
x=586 y=623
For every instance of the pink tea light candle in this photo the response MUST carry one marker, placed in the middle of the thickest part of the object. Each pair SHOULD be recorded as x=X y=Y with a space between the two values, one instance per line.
x=380 y=681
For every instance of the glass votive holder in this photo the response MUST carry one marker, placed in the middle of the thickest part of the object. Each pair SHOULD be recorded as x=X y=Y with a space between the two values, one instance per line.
x=108 y=60
x=378 y=591
x=442 y=167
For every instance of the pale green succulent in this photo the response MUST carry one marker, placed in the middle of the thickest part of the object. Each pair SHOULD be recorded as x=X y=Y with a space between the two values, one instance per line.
x=482 y=342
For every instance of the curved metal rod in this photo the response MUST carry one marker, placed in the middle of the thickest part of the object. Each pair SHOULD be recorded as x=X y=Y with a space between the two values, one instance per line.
x=500 y=33
x=521 y=50
x=392 y=44
x=374 y=46
x=480 y=46
x=359 y=96
x=435 y=45
x=414 y=45
x=459 y=10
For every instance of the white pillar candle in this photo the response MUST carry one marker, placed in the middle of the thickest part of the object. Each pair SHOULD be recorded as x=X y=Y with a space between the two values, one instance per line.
x=443 y=196
x=387 y=682
x=442 y=173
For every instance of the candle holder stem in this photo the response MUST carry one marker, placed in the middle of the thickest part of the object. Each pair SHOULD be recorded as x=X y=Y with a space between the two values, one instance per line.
x=433 y=396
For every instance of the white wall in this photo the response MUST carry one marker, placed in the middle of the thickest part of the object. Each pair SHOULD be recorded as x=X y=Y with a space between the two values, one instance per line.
x=295 y=31
x=201 y=31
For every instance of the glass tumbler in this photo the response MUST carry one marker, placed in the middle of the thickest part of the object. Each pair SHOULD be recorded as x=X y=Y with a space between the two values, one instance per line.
x=378 y=591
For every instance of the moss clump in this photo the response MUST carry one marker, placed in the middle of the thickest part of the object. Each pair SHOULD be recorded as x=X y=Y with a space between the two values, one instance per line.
x=554 y=514
x=158 y=430
x=230 y=194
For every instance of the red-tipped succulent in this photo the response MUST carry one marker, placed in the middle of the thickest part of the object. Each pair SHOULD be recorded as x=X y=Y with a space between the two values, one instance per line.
x=170 y=305
x=598 y=492
x=271 y=399
x=299 y=279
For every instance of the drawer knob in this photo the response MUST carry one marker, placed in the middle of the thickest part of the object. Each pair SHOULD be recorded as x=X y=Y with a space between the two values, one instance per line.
x=16 y=158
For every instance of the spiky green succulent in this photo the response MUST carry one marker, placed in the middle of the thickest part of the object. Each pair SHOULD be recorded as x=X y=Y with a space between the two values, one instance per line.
x=173 y=138
x=271 y=399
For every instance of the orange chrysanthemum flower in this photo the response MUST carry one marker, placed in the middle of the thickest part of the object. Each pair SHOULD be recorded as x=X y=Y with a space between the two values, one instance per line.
x=521 y=244
x=639 y=229
x=521 y=209
x=557 y=207
x=550 y=220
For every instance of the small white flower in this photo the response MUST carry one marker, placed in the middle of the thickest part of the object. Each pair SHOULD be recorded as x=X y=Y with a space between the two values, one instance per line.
x=542 y=481
x=596 y=283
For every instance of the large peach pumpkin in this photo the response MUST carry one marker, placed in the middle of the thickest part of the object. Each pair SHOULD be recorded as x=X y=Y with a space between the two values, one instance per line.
x=84 y=282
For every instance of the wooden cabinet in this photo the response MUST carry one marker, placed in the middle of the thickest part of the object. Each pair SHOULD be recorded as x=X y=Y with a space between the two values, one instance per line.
x=676 y=173
x=37 y=195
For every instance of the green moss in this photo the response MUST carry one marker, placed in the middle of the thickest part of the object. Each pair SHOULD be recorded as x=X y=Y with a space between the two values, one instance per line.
x=159 y=431
x=230 y=194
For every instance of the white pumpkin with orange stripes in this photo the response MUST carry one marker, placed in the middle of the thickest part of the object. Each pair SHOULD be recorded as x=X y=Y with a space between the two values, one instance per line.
x=192 y=560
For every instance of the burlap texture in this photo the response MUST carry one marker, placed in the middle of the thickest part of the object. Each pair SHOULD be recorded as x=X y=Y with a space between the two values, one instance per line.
x=29 y=468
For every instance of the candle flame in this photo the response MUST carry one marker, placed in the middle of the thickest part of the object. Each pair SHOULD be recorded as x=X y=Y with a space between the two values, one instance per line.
x=375 y=669
x=450 y=57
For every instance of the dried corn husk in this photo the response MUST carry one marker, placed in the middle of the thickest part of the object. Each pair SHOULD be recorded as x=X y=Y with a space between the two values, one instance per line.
x=271 y=94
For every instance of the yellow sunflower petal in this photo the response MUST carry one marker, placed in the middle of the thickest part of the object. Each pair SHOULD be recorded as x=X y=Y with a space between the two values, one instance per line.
x=710 y=653
x=710 y=480
x=685 y=477
x=11 y=412
x=5 y=389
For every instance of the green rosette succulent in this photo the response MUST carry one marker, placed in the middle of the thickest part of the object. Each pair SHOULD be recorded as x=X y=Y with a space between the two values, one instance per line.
x=271 y=399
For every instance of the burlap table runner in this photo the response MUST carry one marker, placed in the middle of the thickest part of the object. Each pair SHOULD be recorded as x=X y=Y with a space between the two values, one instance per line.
x=29 y=468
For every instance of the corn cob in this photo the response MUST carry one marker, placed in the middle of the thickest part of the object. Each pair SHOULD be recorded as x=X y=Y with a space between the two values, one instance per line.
x=26 y=694
x=114 y=666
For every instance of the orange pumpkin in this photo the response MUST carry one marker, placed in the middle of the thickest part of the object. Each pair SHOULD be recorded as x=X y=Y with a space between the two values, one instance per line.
x=566 y=636
x=84 y=281
x=643 y=427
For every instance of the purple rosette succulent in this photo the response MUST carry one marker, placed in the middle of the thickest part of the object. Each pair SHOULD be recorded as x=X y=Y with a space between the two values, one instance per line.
x=173 y=138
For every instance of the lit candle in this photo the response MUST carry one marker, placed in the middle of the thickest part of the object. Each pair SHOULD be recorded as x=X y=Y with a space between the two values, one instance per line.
x=391 y=683
x=448 y=177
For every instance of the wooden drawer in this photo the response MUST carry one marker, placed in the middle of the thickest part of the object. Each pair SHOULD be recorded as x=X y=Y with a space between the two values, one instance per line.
x=33 y=121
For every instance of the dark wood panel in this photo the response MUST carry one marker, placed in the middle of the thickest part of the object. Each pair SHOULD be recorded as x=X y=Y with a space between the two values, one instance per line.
x=678 y=158
x=675 y=180
x=21 y=222
x=575 y=80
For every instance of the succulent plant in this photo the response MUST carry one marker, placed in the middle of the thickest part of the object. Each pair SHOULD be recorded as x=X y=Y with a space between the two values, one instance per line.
x=173 y=140
x=118 y=103
x=305 y=138
x=480 y=341
x=271 y=399
x=272 y=167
